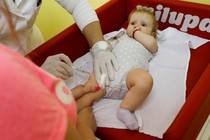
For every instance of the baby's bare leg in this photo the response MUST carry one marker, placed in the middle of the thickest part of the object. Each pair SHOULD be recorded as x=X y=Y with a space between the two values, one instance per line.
x=87 y=99
x=90 y=96
x=139 y=84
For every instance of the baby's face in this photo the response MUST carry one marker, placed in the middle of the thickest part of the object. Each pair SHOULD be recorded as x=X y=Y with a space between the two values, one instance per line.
x=142 y=21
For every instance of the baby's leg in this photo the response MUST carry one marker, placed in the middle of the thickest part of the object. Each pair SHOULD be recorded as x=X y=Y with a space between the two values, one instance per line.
x=91 y=95
x=87 y=99
x=139 y=83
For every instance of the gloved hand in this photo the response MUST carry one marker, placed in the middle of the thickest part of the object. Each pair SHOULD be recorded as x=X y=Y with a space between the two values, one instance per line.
x=104 y=61
x=59 y=65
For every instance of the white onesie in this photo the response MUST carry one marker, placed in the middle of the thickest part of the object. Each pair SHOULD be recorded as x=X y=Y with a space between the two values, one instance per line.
x=130 y=54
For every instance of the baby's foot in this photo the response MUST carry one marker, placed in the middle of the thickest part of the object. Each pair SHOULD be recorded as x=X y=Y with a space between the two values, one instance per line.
x=128 y=118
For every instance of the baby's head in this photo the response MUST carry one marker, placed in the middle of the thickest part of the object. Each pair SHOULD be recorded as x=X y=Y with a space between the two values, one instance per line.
x=143 y=19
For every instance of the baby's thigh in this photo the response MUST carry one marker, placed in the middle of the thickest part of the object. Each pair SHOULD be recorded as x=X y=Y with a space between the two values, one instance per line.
x=138 y=76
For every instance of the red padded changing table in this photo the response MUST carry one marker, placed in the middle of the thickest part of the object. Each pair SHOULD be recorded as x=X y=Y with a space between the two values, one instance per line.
x=113 y=15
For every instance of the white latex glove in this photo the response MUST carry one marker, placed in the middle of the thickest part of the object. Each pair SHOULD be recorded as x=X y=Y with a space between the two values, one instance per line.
x=59 y=65
x=104 y=62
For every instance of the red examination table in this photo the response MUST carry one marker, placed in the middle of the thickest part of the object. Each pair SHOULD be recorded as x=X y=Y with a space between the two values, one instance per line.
x=113 y=15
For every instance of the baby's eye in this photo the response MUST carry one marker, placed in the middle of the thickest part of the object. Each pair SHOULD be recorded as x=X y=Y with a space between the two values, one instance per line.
x=132 y=23
x=144 y=25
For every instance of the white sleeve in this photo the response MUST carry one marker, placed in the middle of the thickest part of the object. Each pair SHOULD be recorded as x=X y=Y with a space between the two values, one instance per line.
x=82 y=12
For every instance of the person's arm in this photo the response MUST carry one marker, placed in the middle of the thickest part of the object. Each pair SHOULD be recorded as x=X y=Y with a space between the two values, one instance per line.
x=93 y=33
x=85 y=128
x=148 y=41
x=87 y=21
x=82 y=133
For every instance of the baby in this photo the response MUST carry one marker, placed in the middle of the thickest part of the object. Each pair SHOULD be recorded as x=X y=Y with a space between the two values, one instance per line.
x=133 y=49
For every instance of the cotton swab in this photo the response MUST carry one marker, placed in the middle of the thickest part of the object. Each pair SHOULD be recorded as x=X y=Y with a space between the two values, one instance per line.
x=102 y=81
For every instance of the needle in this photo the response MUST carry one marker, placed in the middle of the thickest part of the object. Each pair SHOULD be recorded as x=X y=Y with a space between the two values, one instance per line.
x=102 y=80
x=80 y=69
